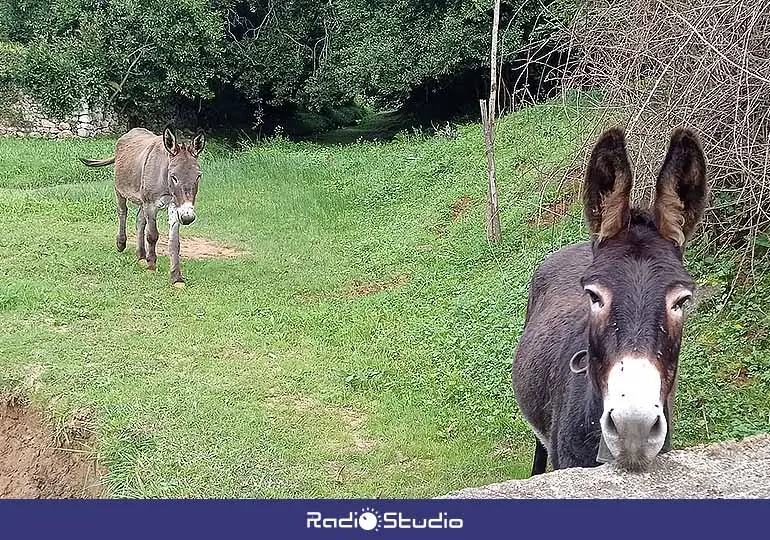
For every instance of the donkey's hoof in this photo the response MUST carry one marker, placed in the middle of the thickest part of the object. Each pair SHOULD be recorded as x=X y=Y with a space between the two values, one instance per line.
x=179 y=284
x=120 y=245
x=151 y=267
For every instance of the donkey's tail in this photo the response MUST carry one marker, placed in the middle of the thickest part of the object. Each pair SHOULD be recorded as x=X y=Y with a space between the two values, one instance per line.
x=98 y=162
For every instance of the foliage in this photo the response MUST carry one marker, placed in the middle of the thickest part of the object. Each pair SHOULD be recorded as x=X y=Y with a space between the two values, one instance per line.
x=9 y=54
x=154 y=55
x=273 y=47
x=385 y=49
x=321 y=53
x=53 y=73
x=724 y=374
x=176 y=45
x=147 y=55
x=18 y=19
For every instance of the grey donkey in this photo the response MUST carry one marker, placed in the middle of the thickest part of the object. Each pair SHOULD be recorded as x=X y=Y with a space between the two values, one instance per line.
x=155 y=172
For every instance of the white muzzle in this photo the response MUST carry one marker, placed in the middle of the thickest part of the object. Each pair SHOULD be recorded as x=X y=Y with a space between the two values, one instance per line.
x=186 y=213
x=633 y=423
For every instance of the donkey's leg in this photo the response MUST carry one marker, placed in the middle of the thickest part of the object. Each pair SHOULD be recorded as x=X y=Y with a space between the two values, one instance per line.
x=173 y=245
x=541 y=458
x=141 y=222
x=575 y=445
x=151 y=212
x=555 y=447
x=120 y=240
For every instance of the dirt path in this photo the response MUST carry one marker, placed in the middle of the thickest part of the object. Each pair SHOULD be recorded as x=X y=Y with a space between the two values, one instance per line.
x=197 y=247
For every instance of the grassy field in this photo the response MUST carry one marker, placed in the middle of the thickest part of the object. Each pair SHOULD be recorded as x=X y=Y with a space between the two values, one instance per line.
x=362 y=346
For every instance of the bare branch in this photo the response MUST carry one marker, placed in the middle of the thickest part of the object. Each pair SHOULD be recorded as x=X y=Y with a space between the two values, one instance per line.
x=137 y=54
x=662 y=64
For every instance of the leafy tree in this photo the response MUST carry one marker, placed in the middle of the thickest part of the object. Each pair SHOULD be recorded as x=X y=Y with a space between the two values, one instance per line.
x=143 y=55
x=147 y=57
x=384 y=49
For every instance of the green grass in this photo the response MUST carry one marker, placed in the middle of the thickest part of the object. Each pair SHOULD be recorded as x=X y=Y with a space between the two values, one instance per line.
x=265 y=377
x=381 y=126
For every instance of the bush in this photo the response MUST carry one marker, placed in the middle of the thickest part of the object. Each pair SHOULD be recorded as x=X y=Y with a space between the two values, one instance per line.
x=9 y=56
x=59 y=74
x=144 y=55
x=345 y=115
x=700 y=65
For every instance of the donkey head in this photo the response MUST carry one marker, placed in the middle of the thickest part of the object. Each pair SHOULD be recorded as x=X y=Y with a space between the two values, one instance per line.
x=636 y=288
x=184 y=172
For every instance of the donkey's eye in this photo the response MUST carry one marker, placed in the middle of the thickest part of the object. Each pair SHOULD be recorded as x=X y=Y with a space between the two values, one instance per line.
x=681 y=303
x=174 y=179
x=597 y=302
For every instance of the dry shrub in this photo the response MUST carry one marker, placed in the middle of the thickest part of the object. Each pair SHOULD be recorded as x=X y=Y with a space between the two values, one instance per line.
x=661 y=64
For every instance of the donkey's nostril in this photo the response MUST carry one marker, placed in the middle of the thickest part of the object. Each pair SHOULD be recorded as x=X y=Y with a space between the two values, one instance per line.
x=610 y=426
x=656 y=428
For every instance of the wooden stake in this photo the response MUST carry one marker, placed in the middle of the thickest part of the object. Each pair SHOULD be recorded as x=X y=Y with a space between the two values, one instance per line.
x=488 y=120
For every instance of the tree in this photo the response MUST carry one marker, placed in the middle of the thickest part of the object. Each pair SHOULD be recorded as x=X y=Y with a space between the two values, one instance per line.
x=148 y=57
x=145 y=55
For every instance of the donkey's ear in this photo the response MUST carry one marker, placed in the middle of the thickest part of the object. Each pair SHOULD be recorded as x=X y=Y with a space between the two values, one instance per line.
x=681 y=192
x=198 y=143
x=169 y=141
x=608 y=186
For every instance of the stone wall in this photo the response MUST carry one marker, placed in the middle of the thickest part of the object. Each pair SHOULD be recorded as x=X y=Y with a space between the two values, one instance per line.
x=732 y=469
x=32 y=122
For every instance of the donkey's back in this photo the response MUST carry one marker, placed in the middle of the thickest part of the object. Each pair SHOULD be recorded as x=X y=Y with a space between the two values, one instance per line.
x=138 y=155
x=135 y=141
x=554 y=325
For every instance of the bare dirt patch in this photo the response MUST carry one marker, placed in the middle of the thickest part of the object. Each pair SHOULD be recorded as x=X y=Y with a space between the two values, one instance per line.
x=550 y=214
x=739 y=378
x=568 y=190
x=359 y=288
x=199 y=248
x=439 y=229
x=35 y=465
x=460 y=207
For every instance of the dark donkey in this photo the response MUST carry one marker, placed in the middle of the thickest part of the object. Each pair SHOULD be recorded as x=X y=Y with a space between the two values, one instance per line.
x=155 y=172
x=599 y=352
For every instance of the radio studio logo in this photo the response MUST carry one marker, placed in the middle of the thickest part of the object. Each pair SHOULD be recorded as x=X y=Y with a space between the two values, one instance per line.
x=369 y=519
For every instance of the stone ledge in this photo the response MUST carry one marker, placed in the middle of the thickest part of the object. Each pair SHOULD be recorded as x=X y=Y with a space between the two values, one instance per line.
x=732 y=469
